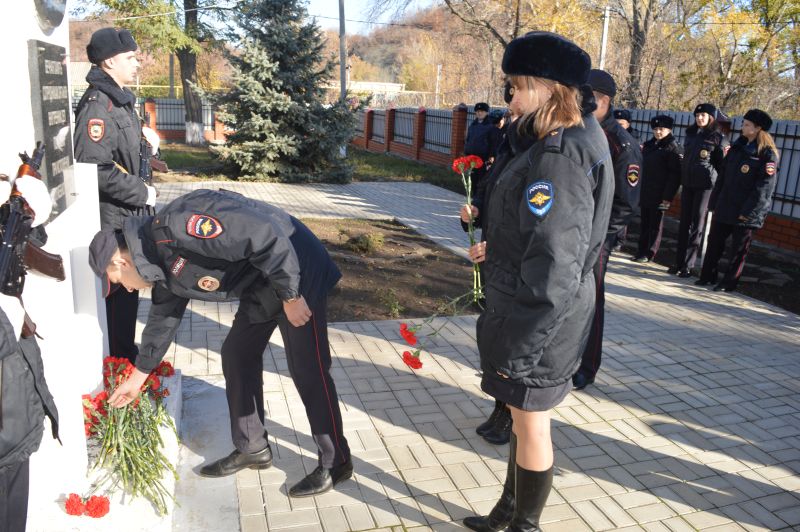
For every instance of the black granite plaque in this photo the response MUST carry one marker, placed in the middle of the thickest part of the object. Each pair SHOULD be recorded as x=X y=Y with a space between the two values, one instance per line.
x=51 y=107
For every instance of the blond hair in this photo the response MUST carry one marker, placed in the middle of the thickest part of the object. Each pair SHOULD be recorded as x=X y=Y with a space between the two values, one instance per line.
x=765 y=141
x=562 y=109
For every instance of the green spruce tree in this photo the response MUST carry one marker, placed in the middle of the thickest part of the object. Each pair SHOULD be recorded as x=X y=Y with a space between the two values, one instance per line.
x=282 y=128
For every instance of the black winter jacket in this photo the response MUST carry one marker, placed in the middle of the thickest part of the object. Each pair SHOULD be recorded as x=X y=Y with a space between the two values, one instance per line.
x=703 y=151
x=477 y=141
x=25 y=397
x=626 y=157
x=548 y=214
x=661 y=171
x=108 y=133
x=236 y=247
x=745 y=186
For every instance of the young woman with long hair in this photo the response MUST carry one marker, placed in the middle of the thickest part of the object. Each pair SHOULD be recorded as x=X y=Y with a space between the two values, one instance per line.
x=741 y=199
x=547 y=217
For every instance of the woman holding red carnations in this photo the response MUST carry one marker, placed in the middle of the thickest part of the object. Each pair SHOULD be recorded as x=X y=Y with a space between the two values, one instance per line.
x=547 y=217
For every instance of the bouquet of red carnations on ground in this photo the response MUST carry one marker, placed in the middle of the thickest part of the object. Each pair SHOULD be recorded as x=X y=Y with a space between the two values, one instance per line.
x=131 y=447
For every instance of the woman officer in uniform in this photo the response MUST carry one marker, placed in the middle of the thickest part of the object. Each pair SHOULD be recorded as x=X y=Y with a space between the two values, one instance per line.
x=547 y=217
x=741 y=199
x=703 y=150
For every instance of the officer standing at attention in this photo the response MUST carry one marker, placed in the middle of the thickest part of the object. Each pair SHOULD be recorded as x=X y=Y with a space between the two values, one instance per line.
x=704 y=149
x=108 y=133
x=221 y=246
x=627 y=160
x=661 y=178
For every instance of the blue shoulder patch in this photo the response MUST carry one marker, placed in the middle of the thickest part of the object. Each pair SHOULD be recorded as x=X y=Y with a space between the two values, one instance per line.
x=540 y=198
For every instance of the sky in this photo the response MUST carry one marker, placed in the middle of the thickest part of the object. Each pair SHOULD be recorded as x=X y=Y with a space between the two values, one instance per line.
x=353 y=9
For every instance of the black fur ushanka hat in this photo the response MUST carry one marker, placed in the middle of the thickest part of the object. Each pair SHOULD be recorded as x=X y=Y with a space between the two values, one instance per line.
x=759 y=118
x=547 y=55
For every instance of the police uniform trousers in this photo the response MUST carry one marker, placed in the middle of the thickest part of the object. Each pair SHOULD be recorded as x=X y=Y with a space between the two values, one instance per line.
x=309 y=359
x=741 y=238
x=592 y=354
x=650 y=232
x=694 y=205
x=121 y=309
x=14 y=481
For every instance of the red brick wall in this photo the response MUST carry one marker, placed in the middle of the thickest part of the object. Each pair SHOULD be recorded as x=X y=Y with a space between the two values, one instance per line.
x=779 y=231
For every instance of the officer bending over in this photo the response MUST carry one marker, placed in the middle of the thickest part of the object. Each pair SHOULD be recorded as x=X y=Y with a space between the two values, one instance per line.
x=222 y=246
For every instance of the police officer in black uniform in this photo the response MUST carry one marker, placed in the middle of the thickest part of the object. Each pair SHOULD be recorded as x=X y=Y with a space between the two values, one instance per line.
x=704 y=148
x=741 y=199
x=108 y=133
x=661 y=178
x=477 y=141
x=627 y=160
x=625 y=119
x=221 y=246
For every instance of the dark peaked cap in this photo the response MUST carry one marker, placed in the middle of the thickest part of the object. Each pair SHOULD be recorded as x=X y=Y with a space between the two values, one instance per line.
x=109 y=42
x=546 y=55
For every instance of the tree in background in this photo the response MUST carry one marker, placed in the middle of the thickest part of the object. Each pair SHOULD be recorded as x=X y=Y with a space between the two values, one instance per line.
x=282 y=130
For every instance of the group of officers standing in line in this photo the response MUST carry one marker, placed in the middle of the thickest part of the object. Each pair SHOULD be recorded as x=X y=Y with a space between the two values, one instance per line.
x=566 y=180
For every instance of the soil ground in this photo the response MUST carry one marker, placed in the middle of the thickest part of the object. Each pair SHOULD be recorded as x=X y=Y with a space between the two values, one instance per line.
x=389 y=271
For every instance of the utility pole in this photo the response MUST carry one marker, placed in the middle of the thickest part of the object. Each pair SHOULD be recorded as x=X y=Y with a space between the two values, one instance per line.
x=342 y=66
x=604 y=42
x=342 y=53
x=438 y=77
x=171 y=75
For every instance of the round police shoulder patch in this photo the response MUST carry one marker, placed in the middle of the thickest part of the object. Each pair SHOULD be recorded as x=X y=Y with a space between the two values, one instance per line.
x=539 y=197
x=203 y=226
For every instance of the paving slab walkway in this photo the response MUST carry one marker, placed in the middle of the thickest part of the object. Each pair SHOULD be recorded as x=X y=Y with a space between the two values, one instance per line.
x=693 y=424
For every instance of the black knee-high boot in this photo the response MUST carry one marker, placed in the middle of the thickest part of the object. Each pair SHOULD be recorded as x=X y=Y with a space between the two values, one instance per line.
x=531 y=489
x=500 y=516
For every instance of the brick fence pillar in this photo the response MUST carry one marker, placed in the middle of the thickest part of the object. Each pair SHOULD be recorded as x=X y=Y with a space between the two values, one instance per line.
x=219 y=129
x=368 y=128
x=418 y=139
x=388 y=128
x=150 y=112
x=458 y=131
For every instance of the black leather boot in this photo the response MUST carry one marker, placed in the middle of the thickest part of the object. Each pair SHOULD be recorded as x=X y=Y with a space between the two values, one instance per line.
x=532 y=489
x=487 y=425
x=500 y=516
x=500 y=433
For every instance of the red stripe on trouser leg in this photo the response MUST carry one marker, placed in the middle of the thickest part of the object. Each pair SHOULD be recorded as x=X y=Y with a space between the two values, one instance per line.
x=325 y=385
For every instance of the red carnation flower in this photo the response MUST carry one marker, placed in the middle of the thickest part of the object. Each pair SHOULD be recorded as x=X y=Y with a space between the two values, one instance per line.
x=411 y=361
x=97 y=506
x=459 y=165
x=409 y=337
x=473 y=161
x=74 y=505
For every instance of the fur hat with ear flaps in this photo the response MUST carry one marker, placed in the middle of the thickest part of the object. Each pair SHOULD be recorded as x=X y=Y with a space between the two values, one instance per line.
x=547 y=55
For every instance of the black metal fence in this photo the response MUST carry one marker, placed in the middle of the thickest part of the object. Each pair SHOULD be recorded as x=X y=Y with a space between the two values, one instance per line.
x=438 y=130
x=378 y=125
x=404 y=126
x=171 y=115
x=786 y=133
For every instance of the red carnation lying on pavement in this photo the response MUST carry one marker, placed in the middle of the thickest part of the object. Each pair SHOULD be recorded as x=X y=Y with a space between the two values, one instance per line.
x=408 y=335
x=74 y=505
x=97 y=506
x=411 y=360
